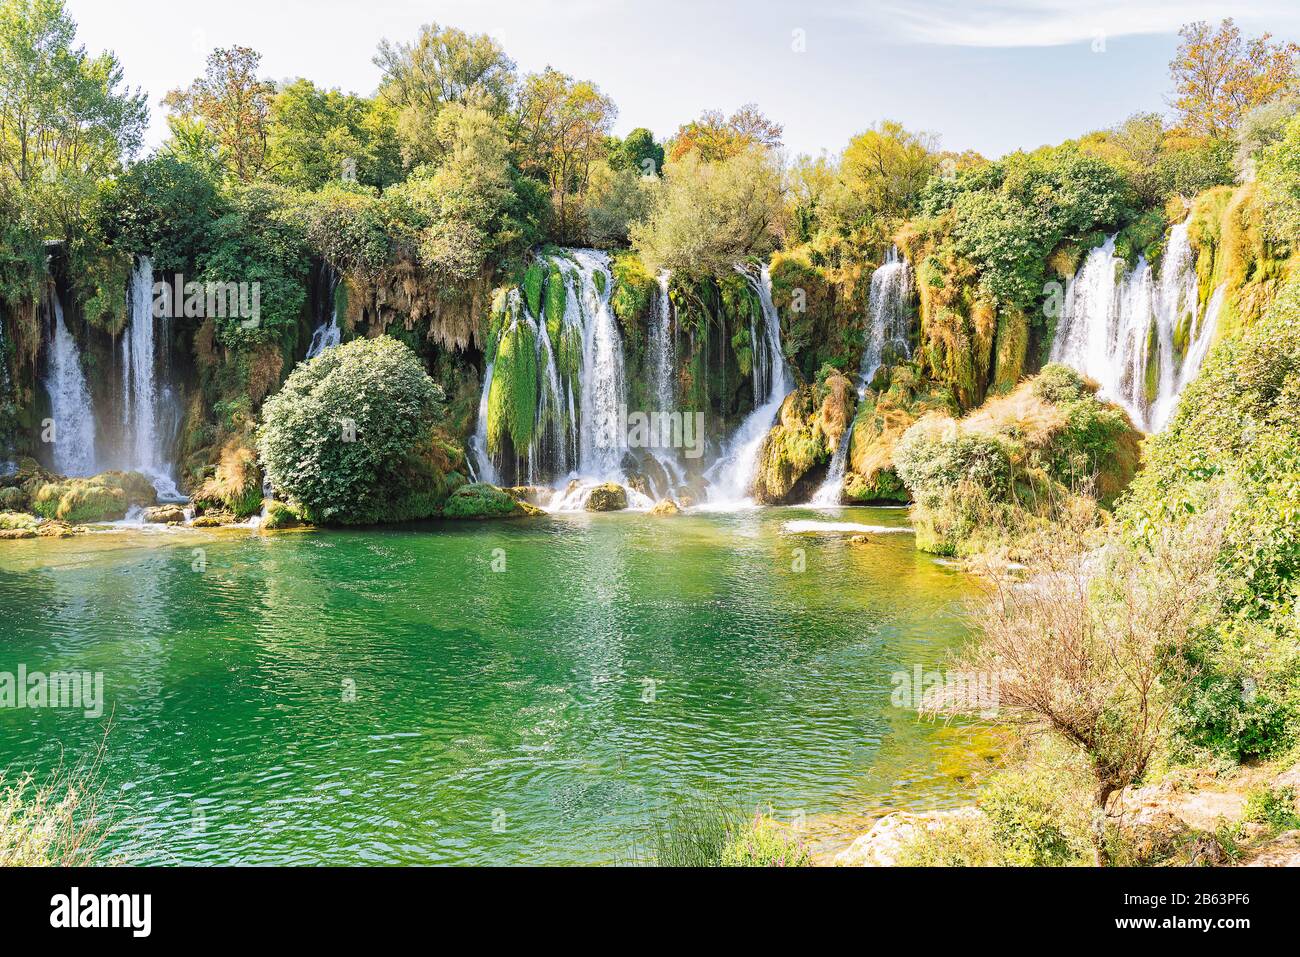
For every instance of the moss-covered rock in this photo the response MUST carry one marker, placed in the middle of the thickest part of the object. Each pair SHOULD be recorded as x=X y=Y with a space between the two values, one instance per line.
x=813 y=420
x=665 y=507
x=988 y=482
x=214 y=520
x=610 y=497
x=479 y=500
x=78 y=501
x=882 y=419
x=280 y=515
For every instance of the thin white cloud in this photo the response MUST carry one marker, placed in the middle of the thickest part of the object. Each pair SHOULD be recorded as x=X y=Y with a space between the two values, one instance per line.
x=1046 y=23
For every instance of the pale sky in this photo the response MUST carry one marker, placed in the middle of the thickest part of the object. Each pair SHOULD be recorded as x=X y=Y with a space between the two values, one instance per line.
x=987 y=76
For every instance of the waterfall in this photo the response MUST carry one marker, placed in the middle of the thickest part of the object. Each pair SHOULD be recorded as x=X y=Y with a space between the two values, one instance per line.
x=327 y=334
x=602 y=395
x=887 y=339
x=663 y=356
x=1121 y=329
x=732 y=475
x=578 y=426
x=481 y=461
x=149 y=407
x=74 y=420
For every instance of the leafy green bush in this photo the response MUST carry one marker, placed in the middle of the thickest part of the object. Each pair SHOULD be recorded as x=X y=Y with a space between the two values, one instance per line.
x=764 y=843
x=1039 y=812
x=1236 y=435
x=351 y=436
x=1272 y=806
x=1008 y=217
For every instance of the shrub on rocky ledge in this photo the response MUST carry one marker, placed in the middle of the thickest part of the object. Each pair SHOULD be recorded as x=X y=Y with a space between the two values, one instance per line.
x=353 y=437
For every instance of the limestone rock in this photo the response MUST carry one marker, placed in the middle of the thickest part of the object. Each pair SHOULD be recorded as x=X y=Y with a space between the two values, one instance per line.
x=880 y=846
x=665 y=507
x=610 y=497
x=164 y=514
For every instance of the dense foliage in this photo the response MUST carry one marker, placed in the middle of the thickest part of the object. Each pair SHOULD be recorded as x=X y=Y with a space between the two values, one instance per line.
x=351 y=436
x=1236 y=436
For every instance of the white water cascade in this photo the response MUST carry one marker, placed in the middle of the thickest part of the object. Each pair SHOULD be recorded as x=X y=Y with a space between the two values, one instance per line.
x=732 y=475
x=74 y=419
x=1121 y=328
x=602 y=371
x=887 y=338
x=149 y=412
x=327 y=333
x=577 y=440
x=663 y=356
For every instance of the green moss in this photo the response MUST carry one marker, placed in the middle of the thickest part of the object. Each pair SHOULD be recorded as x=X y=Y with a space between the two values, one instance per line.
x=598 y=277
x=17 y=520
x=534 y=276
x=512 y=401
x=481 y=501
x=78 y=502
x=556 y=294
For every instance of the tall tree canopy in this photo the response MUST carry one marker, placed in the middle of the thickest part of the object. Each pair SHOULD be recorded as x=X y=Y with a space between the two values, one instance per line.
x=715 y=136
x=230 y=107
x=561 y=127
x=66 y=118
x=1219 y=75
x=444 y=65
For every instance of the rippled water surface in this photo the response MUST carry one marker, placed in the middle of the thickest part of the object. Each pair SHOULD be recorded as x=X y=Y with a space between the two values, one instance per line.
x=508 y=693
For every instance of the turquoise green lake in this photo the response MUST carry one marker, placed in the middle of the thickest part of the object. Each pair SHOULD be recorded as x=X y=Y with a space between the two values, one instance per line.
x=527 y=692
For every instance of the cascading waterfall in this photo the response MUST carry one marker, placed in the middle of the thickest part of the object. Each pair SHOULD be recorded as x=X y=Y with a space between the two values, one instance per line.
x=327 y=333
x=602 y=394
x=149 y=408
x=480 y=461
x=887 y=339
x=74 y=419
x=732 y=475
x=663 y=355
x=581 y=387
x=1121 y=329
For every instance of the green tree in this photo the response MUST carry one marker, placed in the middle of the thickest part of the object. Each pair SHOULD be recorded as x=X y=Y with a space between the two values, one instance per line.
x=444 y=65
x=1219 y=76
x=318 y=135
x=229 y=109
x=638 y=152
x=886 y=167
x=351 y=435
x=709 y=216
x=66 y=119
x=560 y=127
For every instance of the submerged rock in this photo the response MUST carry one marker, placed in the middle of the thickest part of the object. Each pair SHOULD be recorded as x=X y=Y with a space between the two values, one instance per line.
x=794 y=455
x=480 y=500
x=665 y=507
x=164 y=514
x=610 y=497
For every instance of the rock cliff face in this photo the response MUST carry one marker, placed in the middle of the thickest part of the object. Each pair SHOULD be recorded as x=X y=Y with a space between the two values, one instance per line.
x=794 y=456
